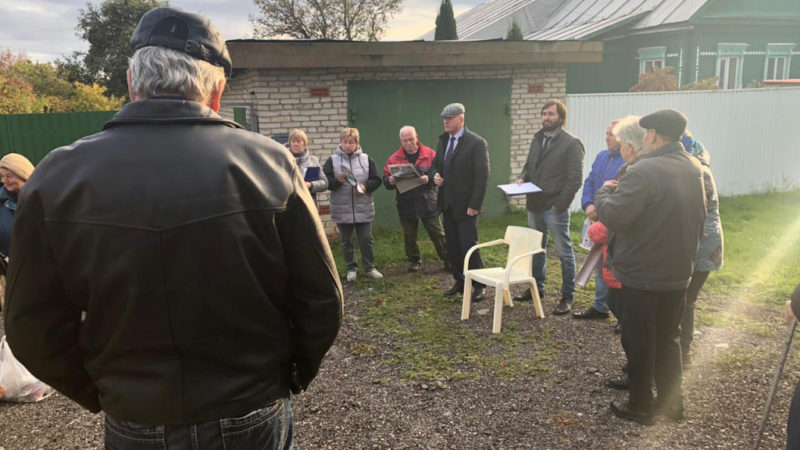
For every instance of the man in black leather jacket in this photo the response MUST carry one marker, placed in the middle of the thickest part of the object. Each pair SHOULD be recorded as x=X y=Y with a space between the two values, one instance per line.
x=192 y=247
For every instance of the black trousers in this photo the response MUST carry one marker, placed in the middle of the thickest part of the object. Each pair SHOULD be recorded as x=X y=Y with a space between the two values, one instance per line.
x=687 y=323
x=460 y=235
x=793 y=422
x=614 y=303
x=651 y=339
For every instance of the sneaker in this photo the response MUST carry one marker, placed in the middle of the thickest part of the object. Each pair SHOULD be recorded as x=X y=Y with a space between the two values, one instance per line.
x=414 y=266
x=374 y=274
x=351 y=275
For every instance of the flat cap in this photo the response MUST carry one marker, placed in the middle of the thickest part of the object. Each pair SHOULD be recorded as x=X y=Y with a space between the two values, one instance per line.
x=183 y=31
x=453 y=109
x=667 y=122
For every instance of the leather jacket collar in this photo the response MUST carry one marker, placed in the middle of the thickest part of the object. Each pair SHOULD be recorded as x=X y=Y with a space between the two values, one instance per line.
x=167 y=111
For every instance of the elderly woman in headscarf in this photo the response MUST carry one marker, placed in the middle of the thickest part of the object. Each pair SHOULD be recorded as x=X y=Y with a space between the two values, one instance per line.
x=15 y=170
x=709 y=255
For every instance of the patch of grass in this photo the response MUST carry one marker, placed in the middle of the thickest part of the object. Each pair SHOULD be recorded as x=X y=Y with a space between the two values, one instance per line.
x=428 y=347
x=735 y=359
x=738 y=322
x=762 y=247
x=361 y=349
x=762 y=266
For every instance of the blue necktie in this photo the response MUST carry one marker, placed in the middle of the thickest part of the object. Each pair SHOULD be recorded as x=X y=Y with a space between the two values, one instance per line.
x=448 y=156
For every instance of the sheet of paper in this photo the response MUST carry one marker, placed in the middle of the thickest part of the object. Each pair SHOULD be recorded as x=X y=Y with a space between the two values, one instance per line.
x=405 y=185
x=519 y=189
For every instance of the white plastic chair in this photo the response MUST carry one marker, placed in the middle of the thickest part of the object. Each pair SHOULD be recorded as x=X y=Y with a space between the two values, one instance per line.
x=522 y=243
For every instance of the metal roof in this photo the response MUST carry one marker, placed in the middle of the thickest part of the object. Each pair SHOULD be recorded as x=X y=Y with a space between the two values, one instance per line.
x=497 y=14
x=581 y=30
x=568 y=19
x=671 y=11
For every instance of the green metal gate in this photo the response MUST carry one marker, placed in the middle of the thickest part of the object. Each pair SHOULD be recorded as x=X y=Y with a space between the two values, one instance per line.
x=379 y=108
x=35 y=135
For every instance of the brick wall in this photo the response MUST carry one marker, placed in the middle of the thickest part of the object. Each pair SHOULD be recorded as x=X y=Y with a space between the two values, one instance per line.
x=284 y=102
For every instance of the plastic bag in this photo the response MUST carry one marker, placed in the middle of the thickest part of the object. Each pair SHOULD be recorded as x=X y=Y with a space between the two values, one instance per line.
x=16 y=383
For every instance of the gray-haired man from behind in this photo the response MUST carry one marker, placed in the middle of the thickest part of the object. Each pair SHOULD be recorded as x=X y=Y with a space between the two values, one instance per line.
x=195 y=252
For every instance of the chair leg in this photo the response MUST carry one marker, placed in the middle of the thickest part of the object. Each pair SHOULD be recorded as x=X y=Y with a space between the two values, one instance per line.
x=466 y=299
x=507 y=297
x=498 y=308
x=537 y=301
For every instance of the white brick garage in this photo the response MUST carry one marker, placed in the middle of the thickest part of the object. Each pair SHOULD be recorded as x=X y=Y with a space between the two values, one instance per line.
x=304 y=84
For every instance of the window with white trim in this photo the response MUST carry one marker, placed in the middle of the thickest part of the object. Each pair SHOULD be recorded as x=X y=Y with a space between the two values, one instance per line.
x=649 y=64
x=728 y=72
x=776 y=63
x=776 y=68
x=650 y=58
x=730 y=60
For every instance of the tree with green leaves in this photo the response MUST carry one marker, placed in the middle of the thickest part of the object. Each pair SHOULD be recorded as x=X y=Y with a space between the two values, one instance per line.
x=28 y=87
x=446 y=23
x=514 y=32
x=108 y=28
x=324 y=19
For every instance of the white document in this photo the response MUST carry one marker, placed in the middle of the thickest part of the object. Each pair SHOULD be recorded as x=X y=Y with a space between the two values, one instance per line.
x=586 y=243
x=519 y=189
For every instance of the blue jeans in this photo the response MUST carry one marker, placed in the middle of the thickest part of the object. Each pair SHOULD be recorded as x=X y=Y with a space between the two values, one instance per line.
x=267 y=428
x=556 y=223
x=600 y=291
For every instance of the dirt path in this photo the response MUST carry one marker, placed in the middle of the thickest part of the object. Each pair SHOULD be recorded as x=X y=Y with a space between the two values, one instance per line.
x=362 y=401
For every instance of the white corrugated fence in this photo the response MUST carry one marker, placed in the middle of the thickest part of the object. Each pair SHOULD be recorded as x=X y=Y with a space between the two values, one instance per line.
x=753 y=135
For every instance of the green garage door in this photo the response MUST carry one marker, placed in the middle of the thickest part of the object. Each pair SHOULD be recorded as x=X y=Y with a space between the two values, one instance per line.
x=379 y=108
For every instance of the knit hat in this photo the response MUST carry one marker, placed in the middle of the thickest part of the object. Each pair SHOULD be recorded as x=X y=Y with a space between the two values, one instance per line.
x=17 y=164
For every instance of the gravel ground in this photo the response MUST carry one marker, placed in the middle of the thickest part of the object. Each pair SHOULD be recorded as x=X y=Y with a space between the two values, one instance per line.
x=361 y=401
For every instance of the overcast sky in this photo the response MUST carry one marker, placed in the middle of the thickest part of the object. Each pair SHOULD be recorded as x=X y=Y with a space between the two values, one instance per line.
x=45 y=29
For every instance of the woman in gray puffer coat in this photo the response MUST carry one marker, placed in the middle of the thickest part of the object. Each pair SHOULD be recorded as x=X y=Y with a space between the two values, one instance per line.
x=298 y=145
x=352 y=178
x=709 y=254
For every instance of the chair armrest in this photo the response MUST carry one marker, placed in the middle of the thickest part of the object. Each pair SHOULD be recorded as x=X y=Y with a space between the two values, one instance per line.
x=475 y=247
x=514 y=261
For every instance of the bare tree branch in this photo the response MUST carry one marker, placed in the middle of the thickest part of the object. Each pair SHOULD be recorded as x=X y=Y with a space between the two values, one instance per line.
x=324 y=19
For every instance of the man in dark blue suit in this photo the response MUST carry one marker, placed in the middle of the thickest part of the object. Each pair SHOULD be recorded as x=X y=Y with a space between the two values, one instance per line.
x=461 y=170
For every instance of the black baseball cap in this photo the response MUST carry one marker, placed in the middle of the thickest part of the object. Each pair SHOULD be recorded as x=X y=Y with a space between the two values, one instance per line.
x=183 y=31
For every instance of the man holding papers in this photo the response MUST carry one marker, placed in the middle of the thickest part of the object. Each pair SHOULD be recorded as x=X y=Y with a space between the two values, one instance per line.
x=555 y=165
x=416 y=195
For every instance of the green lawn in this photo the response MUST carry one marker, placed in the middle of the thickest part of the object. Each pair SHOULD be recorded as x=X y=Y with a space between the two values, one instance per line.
x=762 y=266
